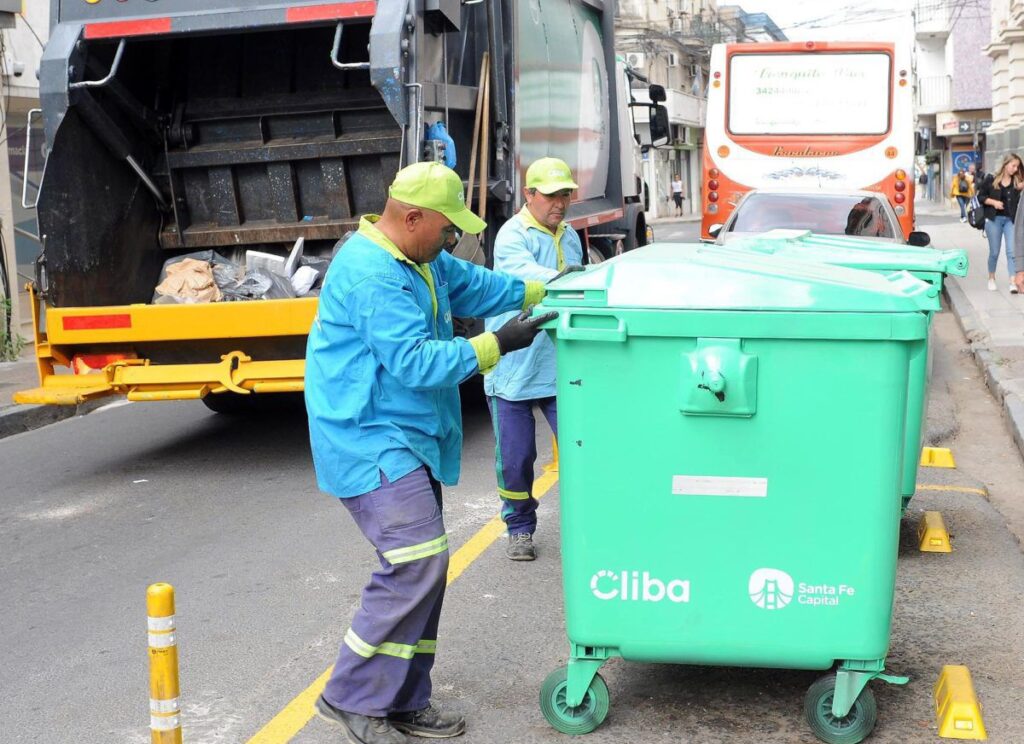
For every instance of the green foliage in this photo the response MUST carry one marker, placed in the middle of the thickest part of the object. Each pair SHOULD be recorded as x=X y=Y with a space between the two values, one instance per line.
x=10 y=345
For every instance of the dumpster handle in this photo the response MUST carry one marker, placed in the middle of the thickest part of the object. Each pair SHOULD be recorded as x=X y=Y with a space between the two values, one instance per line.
x=573 y=327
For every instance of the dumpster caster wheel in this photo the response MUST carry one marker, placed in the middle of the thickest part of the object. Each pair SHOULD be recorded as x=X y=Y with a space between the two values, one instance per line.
x=852 y=728
x=582 y=719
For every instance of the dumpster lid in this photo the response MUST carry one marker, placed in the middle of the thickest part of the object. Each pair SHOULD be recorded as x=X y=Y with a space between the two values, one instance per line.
x=857 y=253
x=703 y=277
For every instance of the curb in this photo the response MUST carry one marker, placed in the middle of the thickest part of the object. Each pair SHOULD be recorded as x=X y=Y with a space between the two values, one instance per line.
x=19 y=419
x=995 y=376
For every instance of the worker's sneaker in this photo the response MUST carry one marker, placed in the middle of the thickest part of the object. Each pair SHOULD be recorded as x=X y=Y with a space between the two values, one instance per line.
x=520 y=547
x=430 y=723
x=991 y=285
x=360 y=729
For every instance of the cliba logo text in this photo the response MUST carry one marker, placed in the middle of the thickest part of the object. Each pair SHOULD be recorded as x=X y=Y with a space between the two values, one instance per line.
x=637 y=586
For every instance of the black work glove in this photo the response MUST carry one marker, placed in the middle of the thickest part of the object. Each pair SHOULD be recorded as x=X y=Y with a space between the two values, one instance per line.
x=519 y=332
x=567 y=270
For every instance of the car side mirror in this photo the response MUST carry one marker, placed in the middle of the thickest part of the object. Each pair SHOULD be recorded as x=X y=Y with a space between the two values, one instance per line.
x=919 y=239
x=715 y=230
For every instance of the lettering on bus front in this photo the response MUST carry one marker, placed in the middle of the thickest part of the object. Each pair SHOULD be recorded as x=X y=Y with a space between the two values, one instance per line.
x=803 y=152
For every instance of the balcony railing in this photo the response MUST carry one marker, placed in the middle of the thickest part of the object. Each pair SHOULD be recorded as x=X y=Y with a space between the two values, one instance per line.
x=934 y=94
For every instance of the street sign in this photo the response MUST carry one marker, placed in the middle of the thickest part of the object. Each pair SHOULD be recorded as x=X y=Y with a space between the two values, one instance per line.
x=984 y=124
x=965 y=127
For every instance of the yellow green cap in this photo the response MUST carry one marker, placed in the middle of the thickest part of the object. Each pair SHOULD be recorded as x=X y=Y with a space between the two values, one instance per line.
x=549 y=175
x=431 y=185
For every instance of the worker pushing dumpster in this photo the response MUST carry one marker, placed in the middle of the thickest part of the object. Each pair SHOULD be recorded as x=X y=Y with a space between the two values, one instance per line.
x=753 y=520
x=927 y=264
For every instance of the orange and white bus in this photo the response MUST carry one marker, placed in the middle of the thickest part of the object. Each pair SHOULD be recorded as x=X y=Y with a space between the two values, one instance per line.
x=834 y=115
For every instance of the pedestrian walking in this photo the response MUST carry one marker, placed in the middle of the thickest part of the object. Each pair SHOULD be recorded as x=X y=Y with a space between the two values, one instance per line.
x=677 y=194
x=1018 y=248
x=1000 y=193
x=977 y=174
x=535 y=244
x=962 y=189
x=382 y=375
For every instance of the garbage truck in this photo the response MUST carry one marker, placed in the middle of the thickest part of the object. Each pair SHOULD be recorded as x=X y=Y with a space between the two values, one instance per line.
x=239 y=132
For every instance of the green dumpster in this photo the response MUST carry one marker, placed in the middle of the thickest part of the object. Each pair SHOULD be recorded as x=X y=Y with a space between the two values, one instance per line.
x=927 y=264
x=730 y=435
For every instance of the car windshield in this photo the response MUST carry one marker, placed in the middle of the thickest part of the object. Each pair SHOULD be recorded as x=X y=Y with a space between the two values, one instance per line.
x=827 y=214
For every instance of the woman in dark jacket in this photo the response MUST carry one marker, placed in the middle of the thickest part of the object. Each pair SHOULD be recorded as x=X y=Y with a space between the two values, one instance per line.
x=1000 y=194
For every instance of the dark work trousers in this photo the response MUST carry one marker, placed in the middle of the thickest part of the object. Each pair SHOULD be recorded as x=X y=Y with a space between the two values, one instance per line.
x=387 y=653
x=515 y=453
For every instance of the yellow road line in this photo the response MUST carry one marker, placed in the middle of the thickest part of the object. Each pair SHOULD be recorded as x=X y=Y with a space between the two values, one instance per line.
x=957 y=489
x=293 y=717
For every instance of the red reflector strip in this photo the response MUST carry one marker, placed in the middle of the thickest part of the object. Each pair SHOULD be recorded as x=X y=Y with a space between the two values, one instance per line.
x=359 y=9
x=96 y=322
x=117 y=29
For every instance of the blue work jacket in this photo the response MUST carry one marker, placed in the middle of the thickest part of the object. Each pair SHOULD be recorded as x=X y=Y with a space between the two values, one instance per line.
x=525 y=248
x=382 y=366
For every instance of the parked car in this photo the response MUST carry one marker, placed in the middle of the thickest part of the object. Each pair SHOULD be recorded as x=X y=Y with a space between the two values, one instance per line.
x=859 y=213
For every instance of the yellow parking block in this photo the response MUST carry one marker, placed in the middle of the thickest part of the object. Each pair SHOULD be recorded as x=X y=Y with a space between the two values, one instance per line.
x=957 y=710
x=937 y=457
x=932 y=535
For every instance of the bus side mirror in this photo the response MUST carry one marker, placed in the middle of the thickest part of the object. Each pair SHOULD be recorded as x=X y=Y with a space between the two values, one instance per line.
x=658 y=122
x=657 y=93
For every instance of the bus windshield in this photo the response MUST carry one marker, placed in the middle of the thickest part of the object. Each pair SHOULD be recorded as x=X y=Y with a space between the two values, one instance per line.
x=809 y=94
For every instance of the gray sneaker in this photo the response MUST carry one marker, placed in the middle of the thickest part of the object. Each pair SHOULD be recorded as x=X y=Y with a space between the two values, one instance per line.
x=520 y=547
x=430 y=723
x=360 y=729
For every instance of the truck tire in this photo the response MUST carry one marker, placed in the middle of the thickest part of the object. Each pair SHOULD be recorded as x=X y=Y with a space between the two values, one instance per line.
x=633 y=225
x=267 y=404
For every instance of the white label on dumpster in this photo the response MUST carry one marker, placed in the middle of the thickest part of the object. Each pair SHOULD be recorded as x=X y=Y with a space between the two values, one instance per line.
x=712 y=485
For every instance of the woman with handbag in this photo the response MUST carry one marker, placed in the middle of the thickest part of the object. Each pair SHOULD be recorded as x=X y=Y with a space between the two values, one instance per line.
x=1000 y=194
x=962 y=189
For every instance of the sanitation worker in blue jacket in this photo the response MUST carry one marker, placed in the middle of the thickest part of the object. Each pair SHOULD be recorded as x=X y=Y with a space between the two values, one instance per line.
x=382 y=370
x=536 y=244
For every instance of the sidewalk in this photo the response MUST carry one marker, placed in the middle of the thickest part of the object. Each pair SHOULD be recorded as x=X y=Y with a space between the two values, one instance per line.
x=14 y=418
x=992 y=321
x=669 y=220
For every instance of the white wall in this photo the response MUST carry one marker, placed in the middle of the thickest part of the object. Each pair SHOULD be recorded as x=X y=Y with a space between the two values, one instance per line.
x=23 y=47
x=931 y=58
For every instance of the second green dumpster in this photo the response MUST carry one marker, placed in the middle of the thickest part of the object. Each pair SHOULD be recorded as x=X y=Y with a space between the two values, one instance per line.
x=927 y=264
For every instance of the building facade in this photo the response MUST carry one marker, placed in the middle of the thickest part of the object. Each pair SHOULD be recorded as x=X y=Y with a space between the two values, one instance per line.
x=669 y=43
x=954 y=93
x=1005 y=47
x=22 y=44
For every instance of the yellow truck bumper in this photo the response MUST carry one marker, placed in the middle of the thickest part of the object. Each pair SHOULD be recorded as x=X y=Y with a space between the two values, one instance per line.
x=120 y=328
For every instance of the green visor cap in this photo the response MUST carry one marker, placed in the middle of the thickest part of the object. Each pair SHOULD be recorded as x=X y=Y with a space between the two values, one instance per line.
x=549 y=175
x=434 y=186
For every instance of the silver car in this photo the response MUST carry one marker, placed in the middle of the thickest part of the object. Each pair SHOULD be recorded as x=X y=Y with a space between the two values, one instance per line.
x=864 y=214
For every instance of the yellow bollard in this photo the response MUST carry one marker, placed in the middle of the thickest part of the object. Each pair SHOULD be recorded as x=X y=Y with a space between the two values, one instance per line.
x=164 y=714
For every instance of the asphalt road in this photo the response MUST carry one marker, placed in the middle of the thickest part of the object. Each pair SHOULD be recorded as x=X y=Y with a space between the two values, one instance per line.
x=268 y=573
